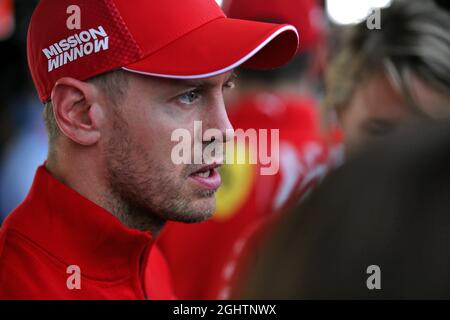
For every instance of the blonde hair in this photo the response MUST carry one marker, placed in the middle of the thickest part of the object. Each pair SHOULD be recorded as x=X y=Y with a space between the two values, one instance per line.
x=414 y=39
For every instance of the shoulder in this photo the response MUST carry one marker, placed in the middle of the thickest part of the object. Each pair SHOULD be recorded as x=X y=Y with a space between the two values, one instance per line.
x=25 y=267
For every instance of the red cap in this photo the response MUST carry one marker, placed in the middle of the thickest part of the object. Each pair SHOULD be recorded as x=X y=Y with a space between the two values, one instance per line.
x=185 y=39
x=305 y=15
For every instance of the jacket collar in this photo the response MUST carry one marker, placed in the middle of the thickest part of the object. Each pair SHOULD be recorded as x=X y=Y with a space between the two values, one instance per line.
x=76 y=231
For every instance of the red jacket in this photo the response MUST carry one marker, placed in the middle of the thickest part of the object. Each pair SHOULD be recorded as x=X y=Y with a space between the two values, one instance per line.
x=56 y=228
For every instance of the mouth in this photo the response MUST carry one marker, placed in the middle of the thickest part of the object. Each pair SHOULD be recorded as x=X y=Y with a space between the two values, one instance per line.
x=207 y=177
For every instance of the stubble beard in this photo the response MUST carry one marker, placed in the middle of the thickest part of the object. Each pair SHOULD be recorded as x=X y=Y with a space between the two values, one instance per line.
x=142 y=195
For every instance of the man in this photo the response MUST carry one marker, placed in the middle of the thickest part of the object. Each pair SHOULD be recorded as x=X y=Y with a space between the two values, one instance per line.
x=118 y=80
x=382 y=80
x=249 y=201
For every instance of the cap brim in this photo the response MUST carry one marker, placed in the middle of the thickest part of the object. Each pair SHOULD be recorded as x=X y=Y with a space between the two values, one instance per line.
x=220 y=46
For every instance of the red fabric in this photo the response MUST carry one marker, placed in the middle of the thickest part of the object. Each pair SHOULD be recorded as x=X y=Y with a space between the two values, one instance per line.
x=169 y=38
x=55 y=227
x=208 y=259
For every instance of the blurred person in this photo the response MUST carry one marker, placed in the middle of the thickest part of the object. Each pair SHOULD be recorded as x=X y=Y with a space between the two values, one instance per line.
x=6 y=18
x=399 y=74
x=376 y=228
x=303 y=75
x=208 y=260
x=116 y=81
x=375 y=211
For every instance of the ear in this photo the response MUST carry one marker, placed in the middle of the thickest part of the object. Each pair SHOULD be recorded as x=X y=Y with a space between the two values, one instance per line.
x=77 y=110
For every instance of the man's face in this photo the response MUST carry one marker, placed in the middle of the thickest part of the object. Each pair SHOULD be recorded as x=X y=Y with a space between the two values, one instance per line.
x=138 y=152
x=378 y=109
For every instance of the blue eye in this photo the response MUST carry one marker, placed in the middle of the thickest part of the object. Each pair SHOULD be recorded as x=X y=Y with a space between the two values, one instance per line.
x=190 y=97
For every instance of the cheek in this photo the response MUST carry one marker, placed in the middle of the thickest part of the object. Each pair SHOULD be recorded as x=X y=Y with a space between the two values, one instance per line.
x=350 y=120
x=153 y=140
x=152 y=130
x=434 y=103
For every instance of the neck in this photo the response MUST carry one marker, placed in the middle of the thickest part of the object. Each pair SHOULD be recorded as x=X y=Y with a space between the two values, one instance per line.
x=86 y=179
x=131 y=215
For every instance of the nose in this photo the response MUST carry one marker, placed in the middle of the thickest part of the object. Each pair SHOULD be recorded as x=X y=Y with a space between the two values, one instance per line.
x=217 y=118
